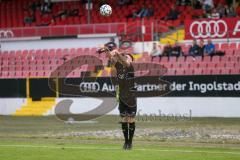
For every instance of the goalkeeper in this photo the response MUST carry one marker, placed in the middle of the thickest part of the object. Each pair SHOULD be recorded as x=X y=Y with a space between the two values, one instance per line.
x=123 y=69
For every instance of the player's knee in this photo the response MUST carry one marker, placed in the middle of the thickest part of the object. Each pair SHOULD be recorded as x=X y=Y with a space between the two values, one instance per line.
x=124 y=119
x=131 y=119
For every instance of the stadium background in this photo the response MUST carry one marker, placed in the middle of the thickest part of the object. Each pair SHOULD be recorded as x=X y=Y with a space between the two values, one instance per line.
x=31 y=51
x=38 y=39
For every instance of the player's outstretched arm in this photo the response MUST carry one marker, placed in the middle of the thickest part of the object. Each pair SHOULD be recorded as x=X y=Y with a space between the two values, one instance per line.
x=121 y=59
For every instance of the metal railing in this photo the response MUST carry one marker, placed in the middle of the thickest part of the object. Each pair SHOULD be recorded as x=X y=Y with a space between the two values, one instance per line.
x=65 y=30
x=139 y=30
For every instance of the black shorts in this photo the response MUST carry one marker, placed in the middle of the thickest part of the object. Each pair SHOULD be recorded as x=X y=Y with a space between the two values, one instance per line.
x=128 y=109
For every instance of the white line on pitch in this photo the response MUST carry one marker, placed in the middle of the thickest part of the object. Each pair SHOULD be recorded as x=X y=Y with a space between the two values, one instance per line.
x=105 y=148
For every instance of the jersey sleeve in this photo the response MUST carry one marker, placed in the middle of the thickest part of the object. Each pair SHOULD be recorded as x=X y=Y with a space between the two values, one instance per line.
x=118 y=65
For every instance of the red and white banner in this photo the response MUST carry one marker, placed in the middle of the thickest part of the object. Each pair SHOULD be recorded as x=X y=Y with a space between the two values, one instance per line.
x=6 y=33
x=212 y=28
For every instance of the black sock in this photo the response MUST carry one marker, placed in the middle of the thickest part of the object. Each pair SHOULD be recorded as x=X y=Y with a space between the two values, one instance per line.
x=131 y=131
x=125 y=131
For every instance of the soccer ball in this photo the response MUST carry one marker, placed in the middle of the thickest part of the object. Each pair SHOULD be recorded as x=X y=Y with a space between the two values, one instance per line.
x=106 y=10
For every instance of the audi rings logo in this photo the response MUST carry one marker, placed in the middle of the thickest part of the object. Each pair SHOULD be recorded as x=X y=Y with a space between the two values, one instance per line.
x=6 y=34
x=206 y=29
x=89 y=87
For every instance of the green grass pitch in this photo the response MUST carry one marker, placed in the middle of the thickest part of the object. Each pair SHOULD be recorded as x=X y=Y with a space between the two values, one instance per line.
x=98 y=151
x=28 y=138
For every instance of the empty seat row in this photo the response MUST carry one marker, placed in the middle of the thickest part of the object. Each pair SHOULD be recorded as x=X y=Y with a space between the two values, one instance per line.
x=189 y=59
x=205 y=71
x=37 y=66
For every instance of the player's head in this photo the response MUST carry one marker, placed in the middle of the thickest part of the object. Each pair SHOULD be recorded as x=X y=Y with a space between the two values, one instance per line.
x=129 y=58
x=108 y=47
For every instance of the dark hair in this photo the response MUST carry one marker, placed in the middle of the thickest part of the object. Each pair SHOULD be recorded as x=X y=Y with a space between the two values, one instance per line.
x=107 y=47
x=130 y=56
x=110 y=46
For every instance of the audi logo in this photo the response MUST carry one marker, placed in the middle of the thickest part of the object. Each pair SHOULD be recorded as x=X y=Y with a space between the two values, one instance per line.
x=89 y=87
x=206 y=29
x=6 y=34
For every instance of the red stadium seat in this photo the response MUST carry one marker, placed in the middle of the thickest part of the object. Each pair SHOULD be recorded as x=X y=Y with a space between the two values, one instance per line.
x=234 y=59
x=216 y=71
x=207 y=59
x=164 y=59
x=211 y=65
x=207 y=71
x=198 y=71
x=234 y=71
x=217 y=46
x=220 y=65
x=225 y=46
x=236 y=64
x=230 y=65
x=230 y=52
x=175 y=65
x=167 y=65
x=233 y=46
x=171 y=72
x=216 y=58
x=156 y=59
x=181 y=59
x=225 y=58
x=203 y=65
x=173 y=59
x=237 y=52
x=191 y=59
x=225 y=71
x=180 y=72
x=184 y=65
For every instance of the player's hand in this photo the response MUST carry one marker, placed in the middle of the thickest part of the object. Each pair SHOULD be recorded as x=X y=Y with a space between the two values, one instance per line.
x=114 y=52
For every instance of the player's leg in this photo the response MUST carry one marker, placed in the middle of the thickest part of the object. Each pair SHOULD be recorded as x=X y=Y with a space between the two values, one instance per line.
x=131 y=125
x=124 y=122
x=125 y=130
